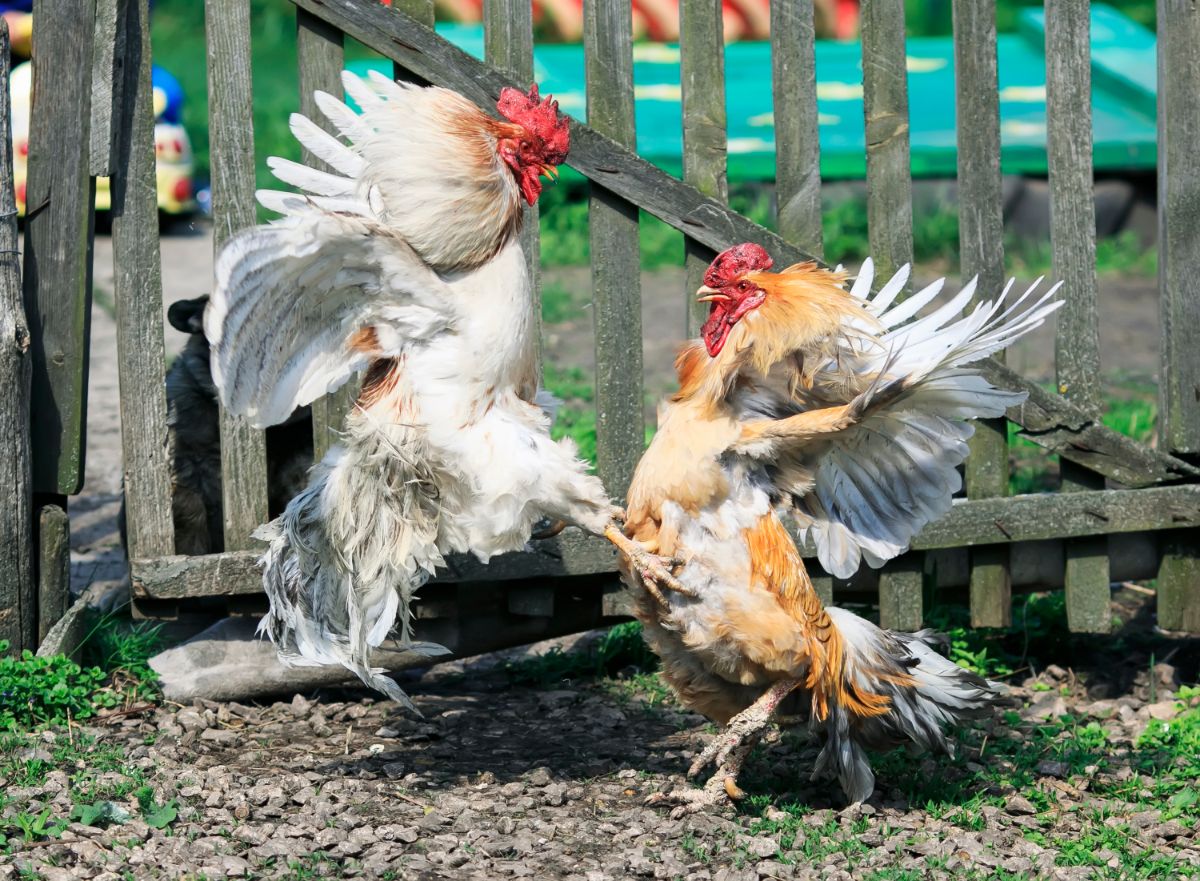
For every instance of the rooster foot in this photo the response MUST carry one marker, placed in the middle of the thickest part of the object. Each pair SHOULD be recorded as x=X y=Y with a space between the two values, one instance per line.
x=744 y=730
x=653 y=570
x=719 y=793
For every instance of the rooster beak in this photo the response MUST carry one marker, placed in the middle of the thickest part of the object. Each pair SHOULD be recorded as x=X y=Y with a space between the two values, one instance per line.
x=707 y=295
x=550 y=171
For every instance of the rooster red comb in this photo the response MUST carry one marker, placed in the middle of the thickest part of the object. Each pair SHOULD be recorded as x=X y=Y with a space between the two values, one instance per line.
x=735 y=262
x=538 y=117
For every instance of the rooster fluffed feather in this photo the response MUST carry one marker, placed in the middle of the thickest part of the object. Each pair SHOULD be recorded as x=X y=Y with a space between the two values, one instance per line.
x=849 y=412
x=403 y=262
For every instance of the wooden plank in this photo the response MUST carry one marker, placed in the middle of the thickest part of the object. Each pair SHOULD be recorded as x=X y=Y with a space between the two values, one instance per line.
x=889 y=221
x=108 y=52
x=321 y=59
x=1179 y=282
x=797 y=145
x=54 y=567
x=18 y=591
x=508 y=47
x=987 y=521
x=231 y=146
x=1073 y=242
x=981 y=245
x=58 y=297
x=613 y=233
x=419 y=10
x=885 y=105
x=137 y=290
x=1065 y=428
x=702 y=78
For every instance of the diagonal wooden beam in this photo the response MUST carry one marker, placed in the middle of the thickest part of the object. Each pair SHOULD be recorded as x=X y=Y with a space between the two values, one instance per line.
x=1048 y=419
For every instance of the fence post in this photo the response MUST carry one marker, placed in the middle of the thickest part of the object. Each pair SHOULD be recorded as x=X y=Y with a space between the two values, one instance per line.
x=508 y=46
x=889 y=228
x=1179 y=287
x=137 y=280
x=981 y=243
x=702 y=80
x=18 y=591
x=59 y=195
x=231 y=143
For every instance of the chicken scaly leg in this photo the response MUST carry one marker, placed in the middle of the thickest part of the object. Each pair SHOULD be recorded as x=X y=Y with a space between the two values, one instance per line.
x=650 y=568
x=729 y=751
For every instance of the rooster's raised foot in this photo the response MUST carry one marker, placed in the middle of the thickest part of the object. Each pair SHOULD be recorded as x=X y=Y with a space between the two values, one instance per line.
x=653 y=570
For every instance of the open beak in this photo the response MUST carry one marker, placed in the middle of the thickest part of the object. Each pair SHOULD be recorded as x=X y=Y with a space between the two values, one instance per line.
x=550 y=171
x=707 y=295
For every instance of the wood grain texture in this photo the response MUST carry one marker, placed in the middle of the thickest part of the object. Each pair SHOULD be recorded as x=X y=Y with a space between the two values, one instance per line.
x=988 y=521
x=18 y=590
x=901 y=603
x=57 y=282
x=508 y=46
x=797 y=143
x=1058 y=425
x=889 y=205
x=231 y=146
x=137 y=290
x=1073 y=242
x=108 y=59
x=885 y=105
x=615 y=256
x=54 y=567
x=321 y=59
x=981 y=246
x=1179 y=282
x=702 y=78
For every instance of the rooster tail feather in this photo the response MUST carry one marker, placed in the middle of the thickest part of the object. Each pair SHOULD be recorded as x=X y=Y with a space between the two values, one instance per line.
x=924 y=693
x=346 y=558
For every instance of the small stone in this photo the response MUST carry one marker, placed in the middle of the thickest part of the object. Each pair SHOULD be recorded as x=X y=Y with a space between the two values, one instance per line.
x=1019 y=805
x=1164 y=710
x=540 y=777
x=301 y=707
x=190 y=720
x=762 y=847
x=385 y=731
x=1056 y=673
x=1053 y=769
x=222 y=736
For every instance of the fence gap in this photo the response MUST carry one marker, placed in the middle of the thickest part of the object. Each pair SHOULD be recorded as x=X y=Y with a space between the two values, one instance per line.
x=231 y=145
x=981 y=248
x=1073 y=242
x=702 y=81
x=615 y=257
x=797 y=138
x=1179 y=288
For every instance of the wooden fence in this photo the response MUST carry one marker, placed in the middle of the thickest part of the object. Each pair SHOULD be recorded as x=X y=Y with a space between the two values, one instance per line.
x=1125 y=510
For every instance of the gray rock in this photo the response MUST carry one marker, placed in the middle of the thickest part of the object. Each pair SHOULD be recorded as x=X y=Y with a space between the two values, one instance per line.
x=1018 y=805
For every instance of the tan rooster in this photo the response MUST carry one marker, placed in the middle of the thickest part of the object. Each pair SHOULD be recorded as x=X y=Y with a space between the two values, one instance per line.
x=403 y=262
x=848 y=412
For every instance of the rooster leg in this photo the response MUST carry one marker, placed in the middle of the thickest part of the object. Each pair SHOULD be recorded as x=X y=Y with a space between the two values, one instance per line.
x=651 y=568
x=749 y=723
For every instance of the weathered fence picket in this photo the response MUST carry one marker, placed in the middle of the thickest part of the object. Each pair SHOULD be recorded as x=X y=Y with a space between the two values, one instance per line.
x=989 y=541
x=615 y=256
x=231 y=147
x=18 y=591
x=981 y=253
x=1073 y=241
x=1179 y=287
x=702 y=84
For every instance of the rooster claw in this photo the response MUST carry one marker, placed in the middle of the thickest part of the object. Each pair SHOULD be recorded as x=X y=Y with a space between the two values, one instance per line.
x=719 y=793
x=653 y=570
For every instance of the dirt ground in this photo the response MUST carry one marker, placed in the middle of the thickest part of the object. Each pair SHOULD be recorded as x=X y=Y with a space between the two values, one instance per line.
x=501 y=780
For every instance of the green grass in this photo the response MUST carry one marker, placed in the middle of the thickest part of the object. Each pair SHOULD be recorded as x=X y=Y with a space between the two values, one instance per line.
x=48 y=691
x=620 y=649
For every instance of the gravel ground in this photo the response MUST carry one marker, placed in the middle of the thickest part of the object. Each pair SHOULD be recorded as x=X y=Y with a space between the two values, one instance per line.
x=503 y=781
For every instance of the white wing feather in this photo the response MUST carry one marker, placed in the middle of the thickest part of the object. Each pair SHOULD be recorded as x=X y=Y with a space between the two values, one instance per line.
x=878 y=483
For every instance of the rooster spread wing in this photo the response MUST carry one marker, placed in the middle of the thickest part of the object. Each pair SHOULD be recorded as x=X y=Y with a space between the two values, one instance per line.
x=304 y=302
x=865 y=488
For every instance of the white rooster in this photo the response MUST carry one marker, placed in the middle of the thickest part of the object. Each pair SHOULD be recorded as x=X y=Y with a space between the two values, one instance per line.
x=404 y=263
